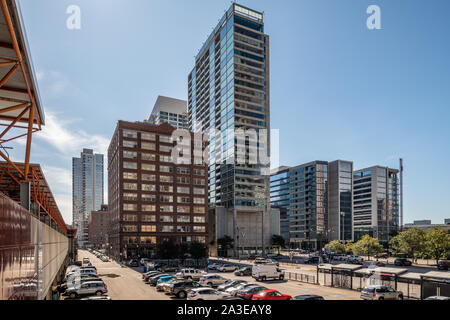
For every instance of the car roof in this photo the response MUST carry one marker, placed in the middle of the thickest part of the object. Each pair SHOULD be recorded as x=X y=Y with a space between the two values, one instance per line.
x=202 y=288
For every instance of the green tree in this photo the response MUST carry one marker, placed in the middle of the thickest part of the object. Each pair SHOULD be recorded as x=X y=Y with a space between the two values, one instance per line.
x=410 y=242
x=167 y=249
x=224 y=244
x=349 y=246
x=335 y=246
x=278 y=241
x=367 y=246
x=437 y=243
x=198 y=250
x=183 y=250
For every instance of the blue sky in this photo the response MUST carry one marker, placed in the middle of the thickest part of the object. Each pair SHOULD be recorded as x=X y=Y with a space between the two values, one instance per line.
x=338 y=90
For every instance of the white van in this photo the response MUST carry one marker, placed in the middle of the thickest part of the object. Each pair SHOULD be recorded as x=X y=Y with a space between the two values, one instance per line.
x=263 y=272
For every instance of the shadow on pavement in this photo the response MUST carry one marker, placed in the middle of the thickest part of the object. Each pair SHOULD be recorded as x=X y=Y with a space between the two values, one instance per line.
x=111 y=275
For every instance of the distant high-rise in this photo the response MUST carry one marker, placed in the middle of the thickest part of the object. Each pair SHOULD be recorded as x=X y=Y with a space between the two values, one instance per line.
x=317 y=200
x=170 y=110
x=340 y=188
x=87 y=190
x=302 y=192
x=376 y=203
x=228 y=90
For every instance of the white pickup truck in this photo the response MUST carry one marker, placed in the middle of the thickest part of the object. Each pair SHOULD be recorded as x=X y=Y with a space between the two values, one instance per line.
x=191 y=274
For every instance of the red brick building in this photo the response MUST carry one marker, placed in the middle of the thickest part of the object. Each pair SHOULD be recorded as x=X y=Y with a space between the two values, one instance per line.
x=152 y=198
x=98 y=227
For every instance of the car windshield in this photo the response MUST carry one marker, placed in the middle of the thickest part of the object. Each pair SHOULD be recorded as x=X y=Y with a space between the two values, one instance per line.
x=368 y=289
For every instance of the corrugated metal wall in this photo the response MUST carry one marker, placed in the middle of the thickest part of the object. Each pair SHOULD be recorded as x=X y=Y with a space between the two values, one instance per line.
x=31 y=253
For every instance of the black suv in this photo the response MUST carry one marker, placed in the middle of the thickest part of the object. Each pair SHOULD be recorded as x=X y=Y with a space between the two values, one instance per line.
x=402 y=262
x=443 y=265
x=244 y=271
x=180 y=289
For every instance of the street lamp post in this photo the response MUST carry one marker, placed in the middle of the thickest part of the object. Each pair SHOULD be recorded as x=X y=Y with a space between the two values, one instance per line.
x=342 y=223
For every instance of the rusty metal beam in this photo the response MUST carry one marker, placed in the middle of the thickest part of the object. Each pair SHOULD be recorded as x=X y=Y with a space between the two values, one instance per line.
x=11 y=175
x=9 y=74
x=11 y=163
x=28 y=146
x=20 y=136
x=14 y=122
x=12 y=108
x=8 y=63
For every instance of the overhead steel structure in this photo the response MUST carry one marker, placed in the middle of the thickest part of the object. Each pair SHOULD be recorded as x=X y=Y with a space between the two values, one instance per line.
x=40 y=192
x=20 y=111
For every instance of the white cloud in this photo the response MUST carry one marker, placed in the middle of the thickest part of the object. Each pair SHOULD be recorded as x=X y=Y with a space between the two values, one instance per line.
x=69 y=142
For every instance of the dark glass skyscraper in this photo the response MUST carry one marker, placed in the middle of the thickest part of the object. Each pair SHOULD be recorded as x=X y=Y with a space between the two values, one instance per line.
x=229 y=91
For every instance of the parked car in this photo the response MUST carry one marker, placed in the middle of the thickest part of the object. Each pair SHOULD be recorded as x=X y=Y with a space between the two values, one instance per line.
x=213 y=266
x=181 y=289
x=275 y=262
x=383 y=255
x=159 y=266
x=355 y=261
x=206 y=294
x=260 y=260
x=96 y=298
x=244 y=271
x=229 y=284
x=133 y=263
x=380 y=292
x=88 y=288
x=104 y=258
x=148 y=275
x=232 y=290
x=80 y=279
x=271 y=295
x=82 y=271
x=247 y=293
x=377 y=264
x=86 y=261
x=144 y=261
x=169 y=269
x=163 y=280
x=226 y=267
x=190 y=273
x=437 y=298
x=154 y=280
x=312 y=260
x=443 y=265
x=308 y=297
x=230 y=298
x=263 y=272
x=356 y=258
x=402 y=262
x=212 y=280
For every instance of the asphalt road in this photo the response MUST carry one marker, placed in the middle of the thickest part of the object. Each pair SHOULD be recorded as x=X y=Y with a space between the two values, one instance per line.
x=123 y=283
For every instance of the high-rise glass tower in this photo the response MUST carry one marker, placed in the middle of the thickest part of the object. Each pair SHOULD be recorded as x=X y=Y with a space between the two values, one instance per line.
x=87 y=190
x=229 y=93
x=303 y=192
x=376 y=203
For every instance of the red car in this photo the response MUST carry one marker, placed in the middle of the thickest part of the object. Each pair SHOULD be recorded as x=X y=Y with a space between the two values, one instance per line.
x=271 y=295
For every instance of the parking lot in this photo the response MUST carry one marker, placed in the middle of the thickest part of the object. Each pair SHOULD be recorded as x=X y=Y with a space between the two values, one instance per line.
x=125 y=283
